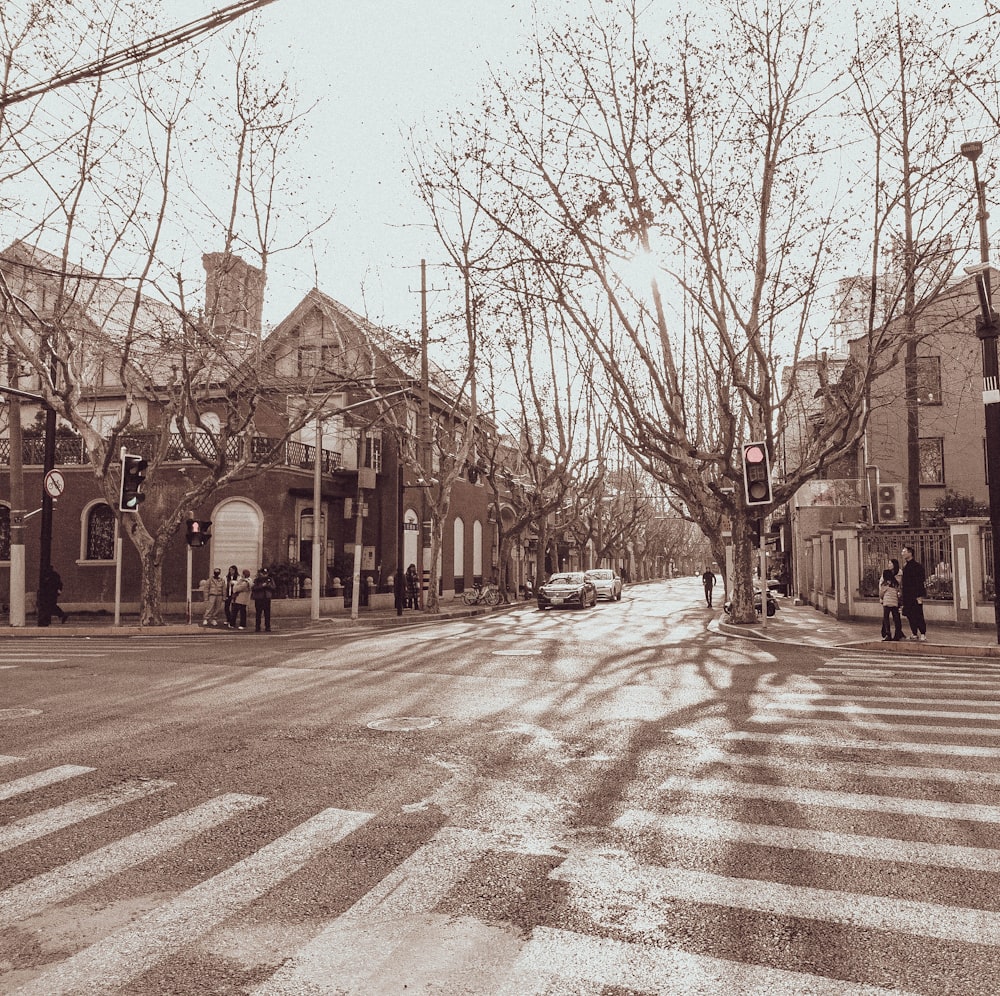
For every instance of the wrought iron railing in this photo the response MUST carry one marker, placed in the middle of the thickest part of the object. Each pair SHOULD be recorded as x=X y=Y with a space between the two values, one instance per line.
x=72 y=450
x=931 y=547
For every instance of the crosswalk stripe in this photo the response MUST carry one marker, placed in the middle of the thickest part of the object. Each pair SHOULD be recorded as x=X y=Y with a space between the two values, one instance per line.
x=890 y=680
x=818 y=698
x=343 y=949
x=863 y=711
x=908 y=667
x=896 y=805
x=645 y=890
x=843 y=743
x=41 y=779
x=9 y=759
x=33 y=895
x=117 y=959
x=858 y=723
x=892 y=849
x=58 y=818
x=852 y=769
x=560 y=963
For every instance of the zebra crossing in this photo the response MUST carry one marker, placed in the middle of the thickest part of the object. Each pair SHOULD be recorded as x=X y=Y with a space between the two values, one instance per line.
x=741 y=842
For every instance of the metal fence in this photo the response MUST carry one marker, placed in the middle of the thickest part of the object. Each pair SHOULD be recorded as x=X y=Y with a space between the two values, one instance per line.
x=931 y=547
x=72 y=450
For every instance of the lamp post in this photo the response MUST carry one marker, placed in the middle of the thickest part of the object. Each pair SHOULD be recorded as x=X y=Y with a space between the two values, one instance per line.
x=987 y=328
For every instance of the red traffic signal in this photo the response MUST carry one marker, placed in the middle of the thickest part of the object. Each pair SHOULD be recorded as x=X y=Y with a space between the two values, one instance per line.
x=756 y=474
x=198 y=533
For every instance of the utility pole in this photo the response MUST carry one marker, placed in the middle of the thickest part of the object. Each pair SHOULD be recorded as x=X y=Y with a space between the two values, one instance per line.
x=425 y=442
x=17 y=509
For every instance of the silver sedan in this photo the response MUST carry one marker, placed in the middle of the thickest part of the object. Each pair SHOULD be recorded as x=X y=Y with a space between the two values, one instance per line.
x=607 y=583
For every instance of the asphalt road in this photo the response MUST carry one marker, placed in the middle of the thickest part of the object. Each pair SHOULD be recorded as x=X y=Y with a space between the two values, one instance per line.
x=607 y=801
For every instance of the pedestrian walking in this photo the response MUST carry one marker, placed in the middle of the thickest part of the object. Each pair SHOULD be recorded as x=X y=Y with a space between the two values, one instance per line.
x=215 y=590
x=912 y=592
x=241 y=599
x=412 y=587
x=49 y=590
x=708 y=580
x=399 y=589
x=888 y=594
x=262 y=592
x=229 y=604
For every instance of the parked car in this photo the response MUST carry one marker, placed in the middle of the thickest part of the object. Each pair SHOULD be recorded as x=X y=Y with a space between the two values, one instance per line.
x=607 y=583
x=570 y=588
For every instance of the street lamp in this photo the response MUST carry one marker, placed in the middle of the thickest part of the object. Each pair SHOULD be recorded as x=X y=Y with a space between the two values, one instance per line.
x=987 y=328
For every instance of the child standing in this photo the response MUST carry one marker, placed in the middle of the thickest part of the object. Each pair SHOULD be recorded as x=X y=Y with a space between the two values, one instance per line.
x=888 y=593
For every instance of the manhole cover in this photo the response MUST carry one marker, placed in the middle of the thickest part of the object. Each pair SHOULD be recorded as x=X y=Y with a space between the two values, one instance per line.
x=403 y=724
x=516 y=653
x=19 y=713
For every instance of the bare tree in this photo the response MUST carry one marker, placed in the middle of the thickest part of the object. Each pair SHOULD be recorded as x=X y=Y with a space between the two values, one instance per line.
x=113 y=193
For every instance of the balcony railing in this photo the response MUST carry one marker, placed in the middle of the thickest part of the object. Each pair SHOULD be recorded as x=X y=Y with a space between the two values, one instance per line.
x=72 y=450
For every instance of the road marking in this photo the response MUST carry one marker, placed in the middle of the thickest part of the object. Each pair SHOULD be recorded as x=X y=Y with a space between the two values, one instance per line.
x=856 y=723
x=114 y=961
x=842 y=743
x=819 y=697
x=645 y=890
x=851 y=769
x=9 y=759
x=720 y=829
x=343 y=950
x=856 y=710
x=33 y=895
x=896 y=805
x=932 y=684
x=41 y=779
x=60 y=817
x=560 y=963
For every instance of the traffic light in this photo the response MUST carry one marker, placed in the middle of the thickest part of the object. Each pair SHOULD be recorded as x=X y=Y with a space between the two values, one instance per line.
x=133 y=477
x=756 y=474
x=198 y=533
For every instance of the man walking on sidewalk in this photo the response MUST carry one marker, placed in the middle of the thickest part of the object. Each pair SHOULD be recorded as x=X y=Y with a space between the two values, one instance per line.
x=912 y=593
x=708 y=580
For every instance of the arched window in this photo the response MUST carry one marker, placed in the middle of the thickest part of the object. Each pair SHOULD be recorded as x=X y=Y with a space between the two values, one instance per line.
x=477 y=552
x=99 y=532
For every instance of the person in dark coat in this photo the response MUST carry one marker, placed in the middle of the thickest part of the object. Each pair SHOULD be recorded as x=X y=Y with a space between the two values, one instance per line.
x=912 y=591
x=412 y=587
x=49 y=590
x=262 y=592
x=399 y=589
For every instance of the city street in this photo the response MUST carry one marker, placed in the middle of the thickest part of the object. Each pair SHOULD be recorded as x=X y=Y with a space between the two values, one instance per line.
x=590 y=802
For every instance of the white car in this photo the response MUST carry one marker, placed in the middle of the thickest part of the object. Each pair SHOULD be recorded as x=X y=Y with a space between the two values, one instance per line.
x=607 y=583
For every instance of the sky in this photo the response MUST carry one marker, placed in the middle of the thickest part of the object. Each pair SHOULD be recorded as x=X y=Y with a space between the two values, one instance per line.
x=371 y=72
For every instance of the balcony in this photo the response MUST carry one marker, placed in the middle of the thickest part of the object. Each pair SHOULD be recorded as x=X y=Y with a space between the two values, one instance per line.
x=71 y=450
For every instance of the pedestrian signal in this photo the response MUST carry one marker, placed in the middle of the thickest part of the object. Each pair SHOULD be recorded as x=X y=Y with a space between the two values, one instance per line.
x=756 y=474
x=198 y=533
x=133 y=477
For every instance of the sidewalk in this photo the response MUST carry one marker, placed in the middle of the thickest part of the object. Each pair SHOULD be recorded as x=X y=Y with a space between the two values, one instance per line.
x=805 y=625
x=91 y=625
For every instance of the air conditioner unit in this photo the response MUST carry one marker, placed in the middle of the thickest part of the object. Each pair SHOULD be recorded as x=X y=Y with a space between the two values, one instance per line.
x=890 y=503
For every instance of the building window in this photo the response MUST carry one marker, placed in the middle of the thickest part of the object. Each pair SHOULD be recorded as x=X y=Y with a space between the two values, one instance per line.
x=4 y=532
x=929 y=380
x=373 y=452
x=932 y=461
x=307 y=357
x=99 y=538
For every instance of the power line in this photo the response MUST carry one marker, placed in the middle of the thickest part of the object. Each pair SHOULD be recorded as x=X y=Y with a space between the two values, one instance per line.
x=132 y=55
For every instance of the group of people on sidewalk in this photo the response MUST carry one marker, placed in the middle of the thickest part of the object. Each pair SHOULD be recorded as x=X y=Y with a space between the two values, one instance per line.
x=230 y=596
x=903 y=591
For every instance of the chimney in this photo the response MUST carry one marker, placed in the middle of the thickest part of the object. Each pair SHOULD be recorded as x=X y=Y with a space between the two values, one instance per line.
x=234 y=296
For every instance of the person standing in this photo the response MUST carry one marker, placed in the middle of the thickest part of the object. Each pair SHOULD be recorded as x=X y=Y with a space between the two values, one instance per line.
x=708 y=580
x=241 y=599
x=232 y=577
x=49 y=590
x=262 y=592
x=412 y=587
x=399 y=589
x=215 y=589
x=912 y=591
x=888 y=594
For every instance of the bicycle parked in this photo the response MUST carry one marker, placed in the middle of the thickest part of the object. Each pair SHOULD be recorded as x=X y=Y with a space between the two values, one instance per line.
x=486 y=594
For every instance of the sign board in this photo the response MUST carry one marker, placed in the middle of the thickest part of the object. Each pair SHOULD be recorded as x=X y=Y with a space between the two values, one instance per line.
x=55 y=484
